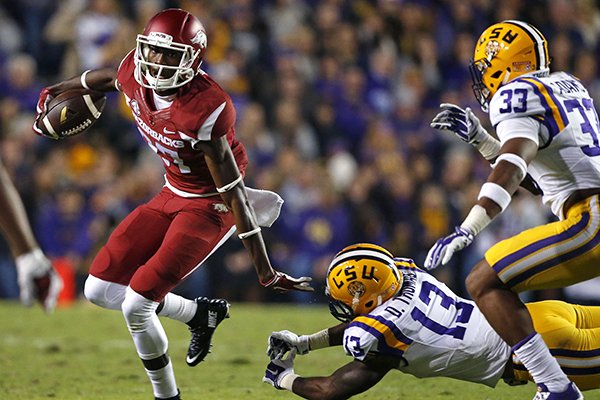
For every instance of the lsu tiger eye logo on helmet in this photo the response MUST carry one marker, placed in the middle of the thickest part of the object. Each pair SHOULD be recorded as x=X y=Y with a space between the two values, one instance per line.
x=491 y=49
x=356 y=289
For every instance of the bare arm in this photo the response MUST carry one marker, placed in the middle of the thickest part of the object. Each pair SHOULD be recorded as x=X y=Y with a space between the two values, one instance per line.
x=37 y=278
x=495 y=195
x=506 y=174
x=336 y=334
x=224 y=170
x=349 y=380
x=102 y=80
x=14 y=223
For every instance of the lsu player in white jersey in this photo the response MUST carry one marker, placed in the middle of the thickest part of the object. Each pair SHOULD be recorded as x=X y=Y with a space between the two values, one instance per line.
x=397 y=316
x=547 y=128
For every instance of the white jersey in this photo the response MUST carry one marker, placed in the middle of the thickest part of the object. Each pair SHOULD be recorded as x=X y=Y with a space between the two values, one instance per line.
x=433 y=331
x=566 y=129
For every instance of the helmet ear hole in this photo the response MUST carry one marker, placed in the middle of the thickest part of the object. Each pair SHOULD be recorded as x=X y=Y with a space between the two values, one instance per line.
x=496 y=74
x=369 y=304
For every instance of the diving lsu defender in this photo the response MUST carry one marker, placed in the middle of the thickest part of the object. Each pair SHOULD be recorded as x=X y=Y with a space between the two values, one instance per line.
x=397 y=316
x=547 y=127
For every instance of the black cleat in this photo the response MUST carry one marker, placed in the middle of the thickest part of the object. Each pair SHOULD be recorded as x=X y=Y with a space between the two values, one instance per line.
x=176 y=397
x=210 y=313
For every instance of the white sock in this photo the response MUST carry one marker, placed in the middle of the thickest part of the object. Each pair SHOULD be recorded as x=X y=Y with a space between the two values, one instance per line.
x=536 y=357
x=178 y=308
x=163 y=381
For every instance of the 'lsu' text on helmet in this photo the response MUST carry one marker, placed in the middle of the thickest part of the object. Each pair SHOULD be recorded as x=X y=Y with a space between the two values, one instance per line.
x=360 y=278
x=504 y=52
x=179 y=32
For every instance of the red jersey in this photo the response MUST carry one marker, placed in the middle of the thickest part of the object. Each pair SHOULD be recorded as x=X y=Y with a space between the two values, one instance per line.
x=201 y=111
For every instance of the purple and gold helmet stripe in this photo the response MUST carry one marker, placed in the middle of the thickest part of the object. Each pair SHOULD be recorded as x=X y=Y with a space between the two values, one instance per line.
x=541 y=46
x=365 y=251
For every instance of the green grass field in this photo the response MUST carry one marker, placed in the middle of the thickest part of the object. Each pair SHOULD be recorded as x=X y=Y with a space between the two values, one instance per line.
x=84 y=352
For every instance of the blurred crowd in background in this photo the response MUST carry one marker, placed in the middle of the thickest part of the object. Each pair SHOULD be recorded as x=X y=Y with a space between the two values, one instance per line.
x=334 y=100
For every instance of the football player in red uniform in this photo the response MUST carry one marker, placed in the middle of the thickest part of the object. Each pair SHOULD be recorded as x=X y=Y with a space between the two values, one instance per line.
x=35 y=274
x=188 y=120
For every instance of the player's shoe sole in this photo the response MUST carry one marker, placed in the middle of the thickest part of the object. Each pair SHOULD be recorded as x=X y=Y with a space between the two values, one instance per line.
x=210 y=313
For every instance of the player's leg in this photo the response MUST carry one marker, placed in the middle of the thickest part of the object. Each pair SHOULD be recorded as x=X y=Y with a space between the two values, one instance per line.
x=552 y=255
x=572 y=332
x=195 y=245
x=507 y=314
x=191 y=238
x=130 y=245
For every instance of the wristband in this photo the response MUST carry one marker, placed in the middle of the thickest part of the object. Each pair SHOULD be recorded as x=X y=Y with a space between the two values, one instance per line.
x=246 y=235
x=488 y=146
x=476 y=220
x=270 y=281
x=230 y=185
x=318 y=340
x=83 y=82
x=287 y=381
x=496 y=193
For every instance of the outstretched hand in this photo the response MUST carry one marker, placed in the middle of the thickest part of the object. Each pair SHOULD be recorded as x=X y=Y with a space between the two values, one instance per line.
x=41 y=109
x=38 y=280
x=462 y=122
x=283 y=283
x=278 y=369
x=283 y=341
x=444 y=248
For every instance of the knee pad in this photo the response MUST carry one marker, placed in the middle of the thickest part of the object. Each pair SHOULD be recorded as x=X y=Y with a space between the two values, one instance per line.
x=103 y=293
x=145 y=328
x=137 y=310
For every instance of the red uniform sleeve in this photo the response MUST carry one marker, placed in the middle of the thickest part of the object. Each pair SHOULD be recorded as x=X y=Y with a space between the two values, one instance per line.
x=219 y=122
x=125 y=78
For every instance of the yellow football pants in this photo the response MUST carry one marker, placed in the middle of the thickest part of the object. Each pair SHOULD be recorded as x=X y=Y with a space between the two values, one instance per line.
x=572 y=333
x=554 y=255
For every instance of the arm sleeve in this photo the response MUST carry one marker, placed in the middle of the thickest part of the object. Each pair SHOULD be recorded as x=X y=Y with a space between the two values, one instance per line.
x=522 y=127
x=218 y=123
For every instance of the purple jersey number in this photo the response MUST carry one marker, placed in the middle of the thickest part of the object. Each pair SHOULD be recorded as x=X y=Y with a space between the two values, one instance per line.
x=463 y=312
x=586 y=109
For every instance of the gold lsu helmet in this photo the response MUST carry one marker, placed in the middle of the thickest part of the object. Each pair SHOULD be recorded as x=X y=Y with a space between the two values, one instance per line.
x=504 y=52
x=360 y=278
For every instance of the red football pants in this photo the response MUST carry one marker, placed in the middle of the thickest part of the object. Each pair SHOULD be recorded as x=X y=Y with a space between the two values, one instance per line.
x=156 y=246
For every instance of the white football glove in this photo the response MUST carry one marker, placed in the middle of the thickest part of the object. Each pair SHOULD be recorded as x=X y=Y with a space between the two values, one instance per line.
x=444 y=248
x=468 y=128
x=38 y=280
x=283 y=341
x=463 y=123
x=278 y=369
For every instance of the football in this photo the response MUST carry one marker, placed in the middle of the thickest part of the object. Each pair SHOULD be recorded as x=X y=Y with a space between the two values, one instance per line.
x=72 y=112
